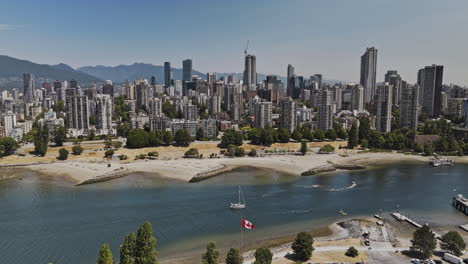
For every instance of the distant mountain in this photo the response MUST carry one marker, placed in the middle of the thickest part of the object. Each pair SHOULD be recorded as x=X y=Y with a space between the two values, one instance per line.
x=12 y=69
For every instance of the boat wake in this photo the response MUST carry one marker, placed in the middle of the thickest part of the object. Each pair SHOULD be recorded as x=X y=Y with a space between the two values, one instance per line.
x=272 y=193
x=354 y=184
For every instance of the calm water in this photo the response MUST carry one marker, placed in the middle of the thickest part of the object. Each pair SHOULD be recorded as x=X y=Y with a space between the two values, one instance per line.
x=44 y=220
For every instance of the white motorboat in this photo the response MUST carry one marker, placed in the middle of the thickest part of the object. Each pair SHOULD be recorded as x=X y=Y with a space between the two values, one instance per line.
x=241 y=203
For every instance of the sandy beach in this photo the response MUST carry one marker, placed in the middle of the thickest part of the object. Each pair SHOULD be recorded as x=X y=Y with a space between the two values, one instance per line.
x=184 y=169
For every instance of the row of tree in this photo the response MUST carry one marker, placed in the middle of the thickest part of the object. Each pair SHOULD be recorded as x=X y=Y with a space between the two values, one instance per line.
x=424 y=242
x=7 y=146
x=140 y=138
x=134 y=250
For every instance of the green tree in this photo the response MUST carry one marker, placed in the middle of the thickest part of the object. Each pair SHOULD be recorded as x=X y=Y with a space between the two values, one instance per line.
x=8 y=145
x=353 y=138
x=92 y=134
x=319 y=135
x=200 y=134
x=331 y=134
x=342 y=133
x=169 y=110
x=211 y=255
x=127 y=250
x=263 y=256
x=303 y=147
x=352 y=252
x=154 y=138
x=327 y=148
x=60 y=134
x=231 y=137
x=105 y=255
x=364 y=143
x=267 y=136
x=302 y=246
x=234 y=257
x=167 y=137
x=137 y=138
x=77 y=150
x=376 y=140
x=428 y=151
x=253 y=153
x=297 y=135
x=307 y=134
x=192 y=153
x=145 y=248
x=109 y=153
x=41 y=140
x=63 y=154
x=453 y=242
x=182 y=138
x=364 y=128
x=123 y=129
x=235 y=151
x=283 y=135
x=424 y=241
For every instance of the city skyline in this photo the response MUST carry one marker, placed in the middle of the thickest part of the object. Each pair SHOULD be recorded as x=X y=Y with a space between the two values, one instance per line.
x=432 y=34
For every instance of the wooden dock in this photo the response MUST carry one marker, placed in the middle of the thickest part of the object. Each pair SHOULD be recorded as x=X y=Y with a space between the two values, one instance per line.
x=400 y=217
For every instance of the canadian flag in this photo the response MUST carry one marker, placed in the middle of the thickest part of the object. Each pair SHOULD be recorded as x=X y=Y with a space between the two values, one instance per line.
x=247 y=225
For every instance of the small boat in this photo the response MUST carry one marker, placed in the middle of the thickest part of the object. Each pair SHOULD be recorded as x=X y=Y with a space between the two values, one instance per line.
x=441 y=163
x=241 y=203
x=342 y=212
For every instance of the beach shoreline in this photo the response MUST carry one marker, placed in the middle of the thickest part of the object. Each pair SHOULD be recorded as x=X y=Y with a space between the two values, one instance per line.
x=187 y=170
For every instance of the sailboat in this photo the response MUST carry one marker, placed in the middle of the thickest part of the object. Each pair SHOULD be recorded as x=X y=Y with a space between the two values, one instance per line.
x=241 y=203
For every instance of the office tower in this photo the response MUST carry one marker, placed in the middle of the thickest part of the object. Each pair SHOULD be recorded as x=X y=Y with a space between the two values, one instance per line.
x=28 y=84
x=338 y=97
x=384 y=108
x=103 y=112
x=236 y=106
x=77 y=112
x=211 y=77
x=325 y=109
x=430 y=85
x=290 y=80
x=178 y=88
x=394 y=79
x=316 y=82
x=368 y=73
x=155 y=108
x=250 y=72
x=273 y=89
x=297 y=87
x=288 y=113
x=9 y=123
x=190 y=112
x=73 y=84
x=153 y=81
x=232 y=79
x=263 y=111
x=357 y=98
x=167 y=74
x=215 y=104
x=142 y=94
x=187 y=70
x=108 y=88
x=409 y=103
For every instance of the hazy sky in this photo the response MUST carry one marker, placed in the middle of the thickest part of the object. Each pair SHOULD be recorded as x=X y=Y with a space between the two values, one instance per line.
x=315 y=36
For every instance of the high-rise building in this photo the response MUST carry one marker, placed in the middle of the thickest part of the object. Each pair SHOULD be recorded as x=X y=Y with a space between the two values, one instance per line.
x=369 y=73
x=290 y=81
x=263 y=114
x=190 y=112
x=155 y=107
x=73 y=84
x=250 y=72
x=357 y=98
x=409 y=103
x=288 y=113
x=215 y=104
x=338 y=97
x=108 y=88
x=167 y=74
x=142 y=94
x=77 y=112
x=9 y=122
x=211 y=77
x=236 y=105
x=384 y=108
x=232 y=79
x=325 y=109
x=394 y=79
x=103 y=112
x=430 y=85
x=28 y=84
x=187 y=70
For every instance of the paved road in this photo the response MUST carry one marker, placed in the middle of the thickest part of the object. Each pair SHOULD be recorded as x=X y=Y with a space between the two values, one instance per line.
x=385 y=257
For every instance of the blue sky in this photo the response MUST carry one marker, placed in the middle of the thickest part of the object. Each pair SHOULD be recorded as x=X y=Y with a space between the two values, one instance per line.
x=316 y=36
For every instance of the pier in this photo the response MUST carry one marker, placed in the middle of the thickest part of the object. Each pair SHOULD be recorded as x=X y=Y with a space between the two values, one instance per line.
x=460 y=203
x=400 y=217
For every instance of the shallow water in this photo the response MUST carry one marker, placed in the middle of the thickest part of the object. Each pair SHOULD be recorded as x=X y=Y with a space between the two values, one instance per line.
x=44 y=220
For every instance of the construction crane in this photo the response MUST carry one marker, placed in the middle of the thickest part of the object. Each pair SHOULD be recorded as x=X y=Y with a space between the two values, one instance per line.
x=246 y=47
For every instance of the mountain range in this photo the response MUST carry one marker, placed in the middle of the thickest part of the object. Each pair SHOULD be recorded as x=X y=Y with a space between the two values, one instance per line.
x=12 y=69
